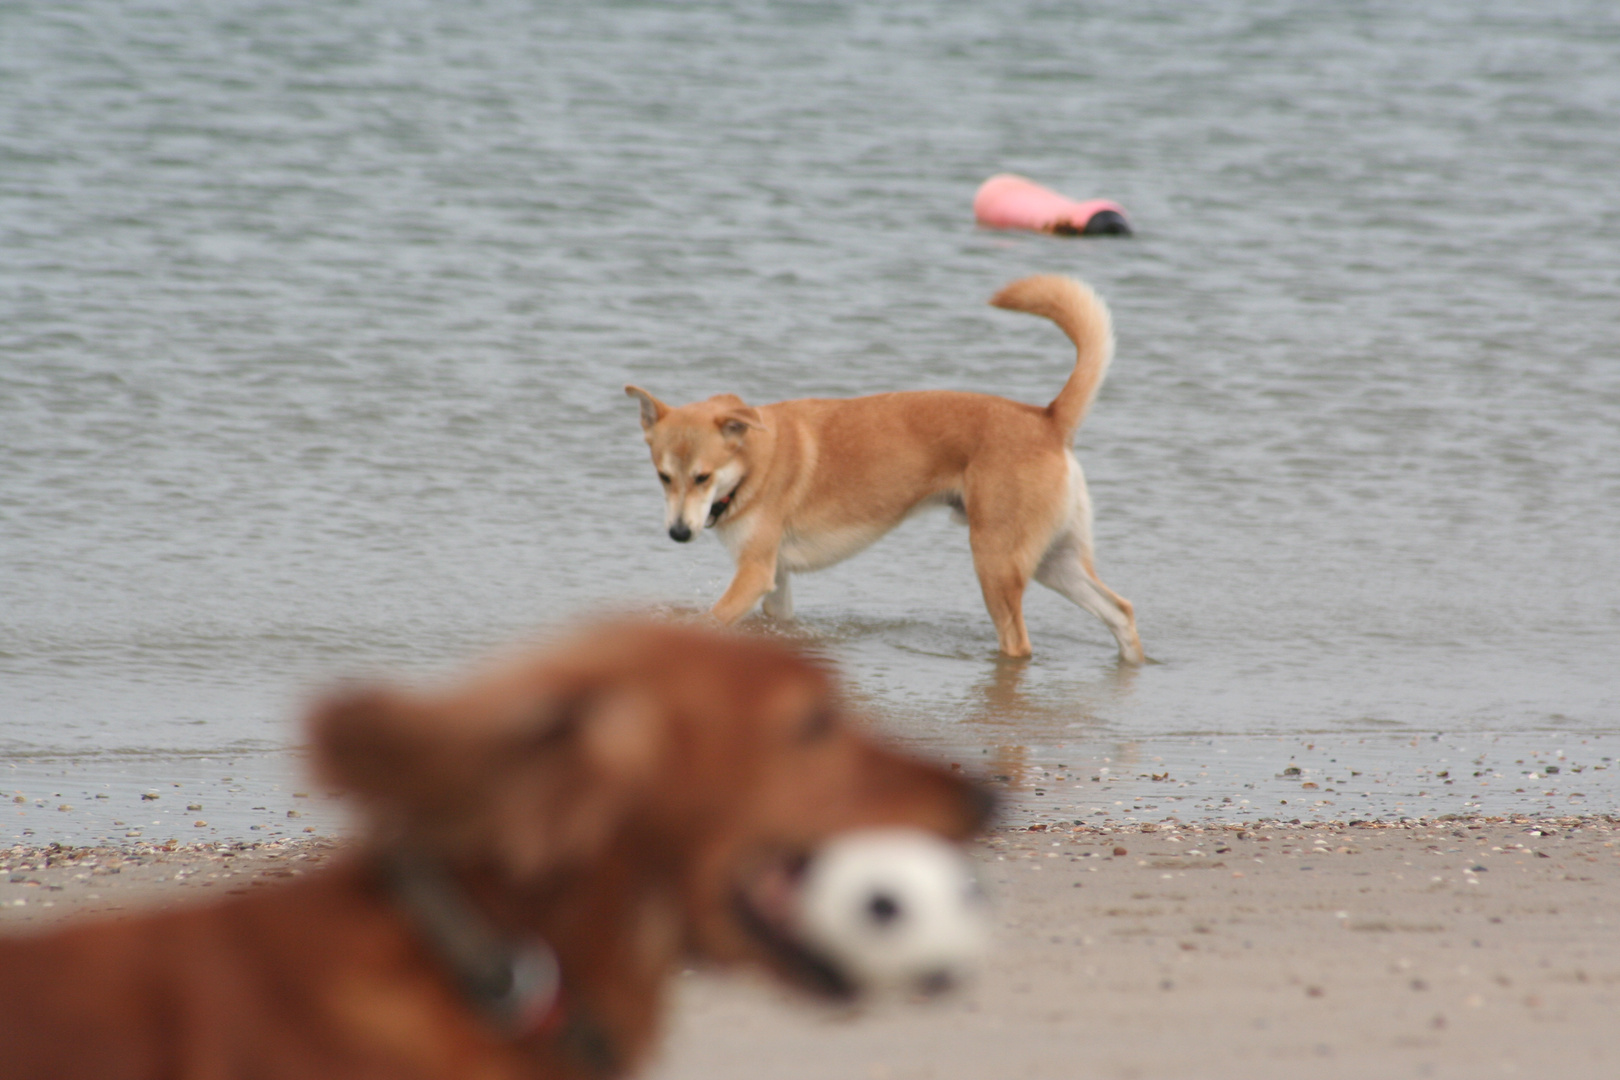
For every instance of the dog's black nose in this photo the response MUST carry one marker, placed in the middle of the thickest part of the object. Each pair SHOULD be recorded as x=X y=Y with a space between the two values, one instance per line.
x=680 y=532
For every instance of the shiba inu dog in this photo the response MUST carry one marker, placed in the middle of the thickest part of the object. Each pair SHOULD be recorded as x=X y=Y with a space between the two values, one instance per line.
x=800 y=485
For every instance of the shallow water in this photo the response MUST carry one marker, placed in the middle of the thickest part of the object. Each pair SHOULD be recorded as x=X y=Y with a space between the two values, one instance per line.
x=315 y=319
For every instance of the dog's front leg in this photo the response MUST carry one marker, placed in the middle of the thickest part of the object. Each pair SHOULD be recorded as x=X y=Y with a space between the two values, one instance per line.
x=756 y=576
x=779 y=601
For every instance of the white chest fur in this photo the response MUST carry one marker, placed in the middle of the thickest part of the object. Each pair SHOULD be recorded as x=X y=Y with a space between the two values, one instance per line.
x=802 y=552
x=812 y=551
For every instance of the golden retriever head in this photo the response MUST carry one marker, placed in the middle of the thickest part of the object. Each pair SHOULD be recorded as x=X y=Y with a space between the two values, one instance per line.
x=703 y=766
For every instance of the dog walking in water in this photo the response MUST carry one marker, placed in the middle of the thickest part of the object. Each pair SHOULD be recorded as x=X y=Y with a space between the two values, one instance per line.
x=800 y=485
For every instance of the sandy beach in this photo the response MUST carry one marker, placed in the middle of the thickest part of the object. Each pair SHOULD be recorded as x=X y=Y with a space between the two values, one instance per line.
x=1464 y=947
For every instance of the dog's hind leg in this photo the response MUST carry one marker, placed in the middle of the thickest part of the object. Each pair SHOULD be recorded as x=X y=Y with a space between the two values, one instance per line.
x=1006 y=534
x=1003 y=587
x=1066 y=568
x=779 y=601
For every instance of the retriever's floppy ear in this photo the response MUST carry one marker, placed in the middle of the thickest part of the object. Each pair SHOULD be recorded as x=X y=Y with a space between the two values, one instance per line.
x=570 y=790
x=371 y=740
x=531 y=780
x=652 y=410
x=385 y=747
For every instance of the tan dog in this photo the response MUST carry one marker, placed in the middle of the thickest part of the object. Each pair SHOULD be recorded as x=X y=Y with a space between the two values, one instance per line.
x=549 y=843
x=800 y=485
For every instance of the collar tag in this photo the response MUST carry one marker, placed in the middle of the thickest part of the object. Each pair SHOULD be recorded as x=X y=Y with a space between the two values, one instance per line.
x=533 y=999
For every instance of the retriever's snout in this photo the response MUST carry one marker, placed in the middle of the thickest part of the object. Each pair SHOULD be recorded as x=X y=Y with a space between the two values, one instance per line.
x=680 y=532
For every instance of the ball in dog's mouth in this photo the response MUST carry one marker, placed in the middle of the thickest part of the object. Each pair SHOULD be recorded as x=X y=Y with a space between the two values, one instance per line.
x=872 y=911
x=767 y=908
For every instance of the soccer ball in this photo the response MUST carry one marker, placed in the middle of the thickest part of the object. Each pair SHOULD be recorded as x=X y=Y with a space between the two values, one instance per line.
x=895 y=910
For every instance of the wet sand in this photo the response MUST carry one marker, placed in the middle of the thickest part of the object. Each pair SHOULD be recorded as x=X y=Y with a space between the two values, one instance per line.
x=1467 y=948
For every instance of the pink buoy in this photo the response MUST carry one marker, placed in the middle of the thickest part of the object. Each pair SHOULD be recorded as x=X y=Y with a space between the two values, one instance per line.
x=1011 y=202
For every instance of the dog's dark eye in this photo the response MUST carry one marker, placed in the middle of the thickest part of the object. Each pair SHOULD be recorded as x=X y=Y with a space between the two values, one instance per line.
x=701 y=478
x=664 y=478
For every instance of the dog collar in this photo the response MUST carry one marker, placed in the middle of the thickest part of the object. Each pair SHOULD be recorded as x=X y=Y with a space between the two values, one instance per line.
x=718 y=508
x=517 y=986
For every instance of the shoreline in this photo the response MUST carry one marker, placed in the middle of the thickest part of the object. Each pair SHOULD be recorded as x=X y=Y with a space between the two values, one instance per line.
x=1454 y=946
x=138 y=848
x=1345 y=776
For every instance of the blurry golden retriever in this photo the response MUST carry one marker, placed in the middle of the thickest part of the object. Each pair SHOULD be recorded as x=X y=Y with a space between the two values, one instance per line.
x=546 y=844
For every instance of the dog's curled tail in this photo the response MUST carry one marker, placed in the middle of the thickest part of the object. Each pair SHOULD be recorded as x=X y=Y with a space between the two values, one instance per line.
x=1081 y=314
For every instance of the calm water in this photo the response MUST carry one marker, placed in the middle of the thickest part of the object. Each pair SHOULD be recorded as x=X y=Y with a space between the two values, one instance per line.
x=314 y=318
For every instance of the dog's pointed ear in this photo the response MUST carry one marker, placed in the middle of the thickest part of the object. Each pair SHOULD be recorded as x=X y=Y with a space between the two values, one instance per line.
x=736 y=421
x=652 y=410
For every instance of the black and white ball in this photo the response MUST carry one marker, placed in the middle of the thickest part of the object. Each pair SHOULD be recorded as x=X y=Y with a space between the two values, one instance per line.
x=896 y=910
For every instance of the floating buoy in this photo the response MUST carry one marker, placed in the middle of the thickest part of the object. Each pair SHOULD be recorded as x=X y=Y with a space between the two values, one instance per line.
x=1012 y=202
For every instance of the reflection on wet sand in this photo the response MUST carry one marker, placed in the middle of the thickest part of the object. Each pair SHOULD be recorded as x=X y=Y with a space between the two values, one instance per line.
x=1013 y=718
